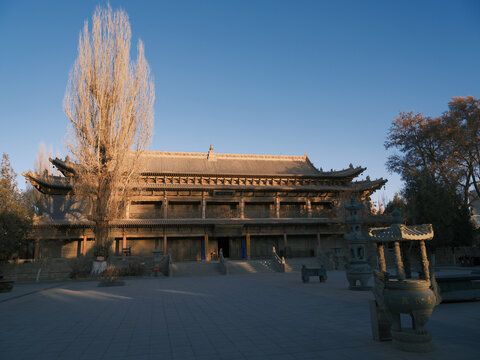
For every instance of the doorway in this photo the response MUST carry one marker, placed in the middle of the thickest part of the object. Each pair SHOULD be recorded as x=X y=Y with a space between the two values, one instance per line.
x=224 y=244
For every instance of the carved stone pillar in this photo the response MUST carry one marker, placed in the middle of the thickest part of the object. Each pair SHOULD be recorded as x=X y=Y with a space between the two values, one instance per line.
x=381 y=258
x=423 y=252
x=399 y=262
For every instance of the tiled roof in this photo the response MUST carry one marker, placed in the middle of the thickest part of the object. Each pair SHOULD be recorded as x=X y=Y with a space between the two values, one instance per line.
x=211 y=163
x=400 y=232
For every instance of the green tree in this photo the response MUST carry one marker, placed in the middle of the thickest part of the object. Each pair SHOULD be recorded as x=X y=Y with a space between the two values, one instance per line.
x=15 y=213
x=433 y=201
x=447 y=146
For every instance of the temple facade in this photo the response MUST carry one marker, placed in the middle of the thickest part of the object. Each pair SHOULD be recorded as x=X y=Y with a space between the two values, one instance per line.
x=194 y=204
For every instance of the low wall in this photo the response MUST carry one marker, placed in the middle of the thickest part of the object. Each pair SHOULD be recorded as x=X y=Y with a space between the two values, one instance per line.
x=52 y=269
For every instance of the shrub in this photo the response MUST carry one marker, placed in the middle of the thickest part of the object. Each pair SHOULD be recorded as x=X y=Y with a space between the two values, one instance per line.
x=134 y=268
x=81 y=268
x=110 y=274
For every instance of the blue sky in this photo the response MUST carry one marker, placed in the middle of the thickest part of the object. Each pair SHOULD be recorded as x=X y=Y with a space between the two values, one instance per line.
x=265 y=77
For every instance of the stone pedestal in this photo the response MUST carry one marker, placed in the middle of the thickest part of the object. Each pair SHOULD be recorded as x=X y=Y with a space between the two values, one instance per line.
x=379 y=322
x=409 y=340
x=98 y=267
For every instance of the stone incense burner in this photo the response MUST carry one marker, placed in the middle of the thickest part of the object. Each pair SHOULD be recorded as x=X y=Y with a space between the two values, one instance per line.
x=395 y=296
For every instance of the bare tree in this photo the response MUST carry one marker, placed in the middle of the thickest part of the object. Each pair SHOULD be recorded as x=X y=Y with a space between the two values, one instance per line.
x=109 y=102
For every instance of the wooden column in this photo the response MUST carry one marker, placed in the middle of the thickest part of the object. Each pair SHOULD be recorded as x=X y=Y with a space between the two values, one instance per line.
x=205 y=239
x=285 y=244
x=398 y=260
x=381 y=258
x=165 y=206
x=84 y=247
x=277 y=207
x=36 y=254
x=309 y=208
x=165 y=244
x=319 y=244
x=248 y=245
x=242 y=208
x=204 y=206
x=124 y=243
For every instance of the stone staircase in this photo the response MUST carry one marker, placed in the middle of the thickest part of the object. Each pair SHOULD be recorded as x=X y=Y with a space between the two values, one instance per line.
x=250 y=266
x=238 y=267
x=210 y=268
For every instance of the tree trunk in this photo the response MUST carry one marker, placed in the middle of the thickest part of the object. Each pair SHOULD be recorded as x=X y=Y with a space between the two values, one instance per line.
x=102 y=234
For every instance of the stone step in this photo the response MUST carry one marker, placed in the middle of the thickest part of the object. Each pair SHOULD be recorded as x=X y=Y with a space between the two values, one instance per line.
x=250 y=266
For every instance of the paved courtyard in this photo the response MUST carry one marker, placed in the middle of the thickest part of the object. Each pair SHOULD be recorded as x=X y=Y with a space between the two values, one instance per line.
x=261 y=316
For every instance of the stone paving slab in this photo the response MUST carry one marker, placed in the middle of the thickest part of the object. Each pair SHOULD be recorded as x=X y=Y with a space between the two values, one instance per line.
x=258 y=316
x=23 y=289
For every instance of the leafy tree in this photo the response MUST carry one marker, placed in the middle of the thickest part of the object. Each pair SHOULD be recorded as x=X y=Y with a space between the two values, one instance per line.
x=109 y=102
x=15 y=212
x=429 y=200
x=447 y=146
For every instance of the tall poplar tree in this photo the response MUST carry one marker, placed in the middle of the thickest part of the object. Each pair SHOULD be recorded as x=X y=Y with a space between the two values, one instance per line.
x=109 y=103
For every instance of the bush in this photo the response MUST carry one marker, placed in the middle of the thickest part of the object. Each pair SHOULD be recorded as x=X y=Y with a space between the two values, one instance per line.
x=81 y=268
x=134 y=268
x=110 y=274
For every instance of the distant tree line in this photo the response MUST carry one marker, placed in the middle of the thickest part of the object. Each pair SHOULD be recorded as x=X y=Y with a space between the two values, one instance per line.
x=439 y=161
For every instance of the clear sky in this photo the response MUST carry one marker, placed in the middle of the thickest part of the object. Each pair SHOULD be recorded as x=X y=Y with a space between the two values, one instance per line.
x=264 y=77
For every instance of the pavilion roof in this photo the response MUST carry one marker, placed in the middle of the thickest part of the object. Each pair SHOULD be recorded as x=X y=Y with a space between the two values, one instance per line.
x=400 y=232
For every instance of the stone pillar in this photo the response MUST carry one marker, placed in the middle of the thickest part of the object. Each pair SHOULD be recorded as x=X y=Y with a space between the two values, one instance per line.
x=423 y=252
x=204 y=206
x=84 y=247
x=285 y=244
x=381 y=258
x=248 y=245
x=309 y=208
x=36 y=254
x=398 y=260
x=165 y=244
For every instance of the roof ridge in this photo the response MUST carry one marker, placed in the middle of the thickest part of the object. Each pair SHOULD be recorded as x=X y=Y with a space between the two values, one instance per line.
x=226 y=155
